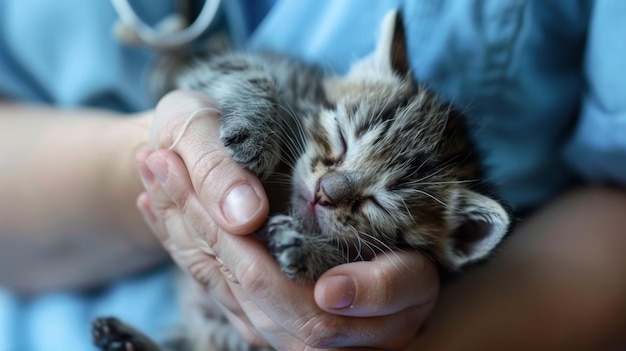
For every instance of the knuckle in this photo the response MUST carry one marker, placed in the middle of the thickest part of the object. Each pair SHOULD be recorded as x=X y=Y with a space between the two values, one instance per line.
x=172 y=112
x=159 y=197
x=208 y=241
x=204 y=272
x=212 y=166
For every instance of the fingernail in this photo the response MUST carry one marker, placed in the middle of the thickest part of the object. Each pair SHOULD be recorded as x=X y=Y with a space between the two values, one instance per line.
x=344 y=291
x=158 y=166
x=241 y=204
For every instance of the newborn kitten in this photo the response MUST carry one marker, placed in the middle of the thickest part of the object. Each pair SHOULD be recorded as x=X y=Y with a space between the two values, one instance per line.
x=378 y=164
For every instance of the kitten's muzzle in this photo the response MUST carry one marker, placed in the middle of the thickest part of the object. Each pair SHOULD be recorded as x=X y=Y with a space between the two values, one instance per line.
x=334 y=188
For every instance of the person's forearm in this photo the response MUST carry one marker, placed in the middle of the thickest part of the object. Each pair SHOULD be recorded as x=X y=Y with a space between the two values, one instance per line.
x=557 y=284
x=67 y=195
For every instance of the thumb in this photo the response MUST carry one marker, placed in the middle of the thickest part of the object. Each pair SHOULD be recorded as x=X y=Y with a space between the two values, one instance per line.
x=232 y=196
x=388 y=284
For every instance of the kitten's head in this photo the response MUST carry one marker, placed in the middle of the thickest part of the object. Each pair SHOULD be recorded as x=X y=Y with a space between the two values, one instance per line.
x=390 y=165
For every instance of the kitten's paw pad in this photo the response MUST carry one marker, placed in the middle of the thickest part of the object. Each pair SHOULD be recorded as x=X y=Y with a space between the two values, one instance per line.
x=251 y=147
x=288 y=245
x=110 y=334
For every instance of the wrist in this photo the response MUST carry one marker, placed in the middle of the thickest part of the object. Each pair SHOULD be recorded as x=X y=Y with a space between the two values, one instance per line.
x=126 y=137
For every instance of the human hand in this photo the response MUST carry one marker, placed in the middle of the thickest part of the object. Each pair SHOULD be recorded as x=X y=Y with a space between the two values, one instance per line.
x=184 y=205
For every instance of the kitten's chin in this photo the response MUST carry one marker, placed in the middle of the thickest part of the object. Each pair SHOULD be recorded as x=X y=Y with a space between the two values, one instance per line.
x=308 y=213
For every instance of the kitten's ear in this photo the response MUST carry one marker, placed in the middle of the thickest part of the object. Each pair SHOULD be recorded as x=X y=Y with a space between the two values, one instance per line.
x=480 y=223
x=389 y=59
x=391 y=49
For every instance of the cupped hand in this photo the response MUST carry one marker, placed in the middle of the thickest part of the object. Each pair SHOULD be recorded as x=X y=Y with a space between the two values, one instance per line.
x=200 y=204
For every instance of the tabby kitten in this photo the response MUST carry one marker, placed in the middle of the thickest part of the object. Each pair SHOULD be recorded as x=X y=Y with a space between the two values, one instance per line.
x=379 y=164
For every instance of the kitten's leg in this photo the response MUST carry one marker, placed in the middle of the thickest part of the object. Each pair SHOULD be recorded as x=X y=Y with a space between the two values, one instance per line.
x=255 y=126
x=302 y=256
x=110 y=334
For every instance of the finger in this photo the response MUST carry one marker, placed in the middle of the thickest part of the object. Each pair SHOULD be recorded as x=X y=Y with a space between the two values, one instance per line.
x=386 y=285
x=145 y=208
x=153 y=188
x=167 y=218
x=210 y=279
x=292 y=309
x=200 y=232
x=177 y=187
x=153 y=194
x=233 y=197
x=295 y=326
x=158 y=209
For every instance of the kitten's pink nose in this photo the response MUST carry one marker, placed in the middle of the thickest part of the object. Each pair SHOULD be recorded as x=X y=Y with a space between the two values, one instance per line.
x=333 y=188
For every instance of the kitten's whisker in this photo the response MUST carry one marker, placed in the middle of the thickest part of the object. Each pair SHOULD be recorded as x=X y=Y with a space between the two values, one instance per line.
x=301 y=132
x=439 y=169
x=435 y=198
x=281 y=179
x=286 y=143
x=408 y=211
x=359 y=252
x=373 y=247
x=446 y=113
x=384 y=245
x=347 y=247
x=419 y=167
x=277 y=182
x=299 y=141
x=393 y=251
x=289 y=162
x=447 y=183
x=292 y=155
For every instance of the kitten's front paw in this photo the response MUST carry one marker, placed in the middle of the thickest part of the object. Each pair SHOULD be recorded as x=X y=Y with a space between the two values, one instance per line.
x=250 y=145
x=289 y=246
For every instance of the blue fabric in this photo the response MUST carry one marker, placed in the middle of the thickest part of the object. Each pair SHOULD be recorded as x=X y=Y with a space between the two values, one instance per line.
x=63 y=53
x=61 y=321
x=541 y=79
x=597 y=150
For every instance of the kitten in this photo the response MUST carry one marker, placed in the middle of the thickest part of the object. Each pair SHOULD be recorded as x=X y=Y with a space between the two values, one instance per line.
x=379 y=164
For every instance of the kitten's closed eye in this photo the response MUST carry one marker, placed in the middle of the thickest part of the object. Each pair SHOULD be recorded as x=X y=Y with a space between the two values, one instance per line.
x=344 y=146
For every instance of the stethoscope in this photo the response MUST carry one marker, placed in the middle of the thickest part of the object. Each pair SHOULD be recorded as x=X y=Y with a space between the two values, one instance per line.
x=170 y=33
